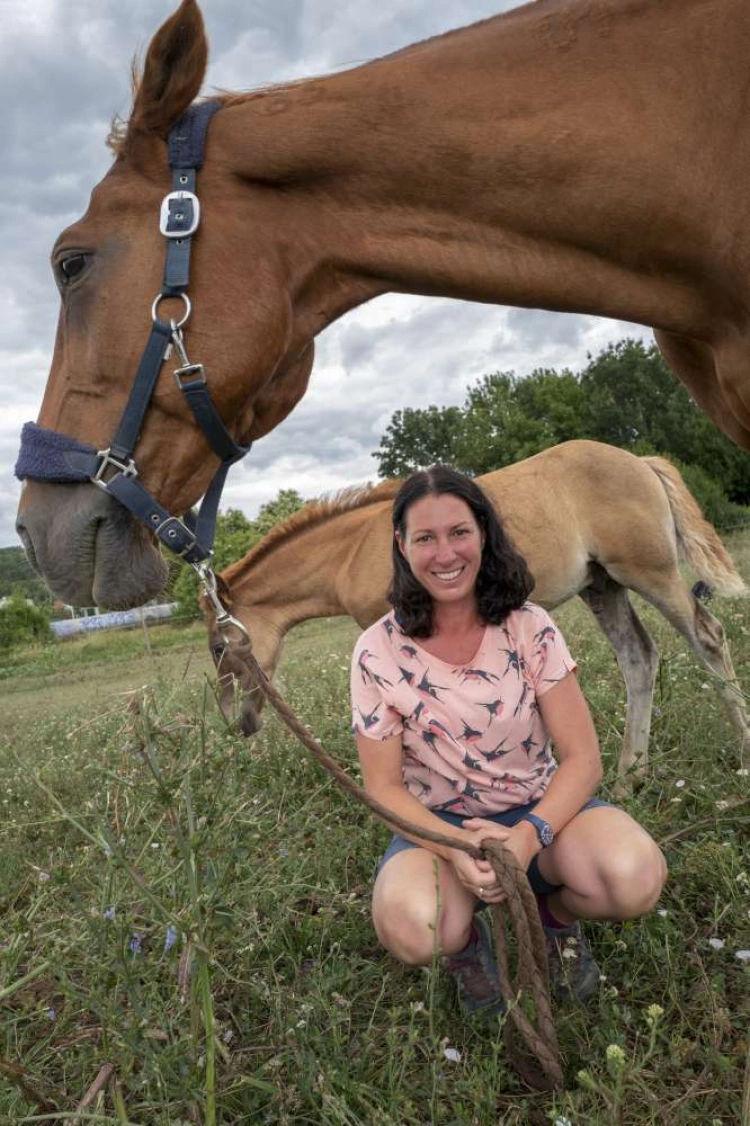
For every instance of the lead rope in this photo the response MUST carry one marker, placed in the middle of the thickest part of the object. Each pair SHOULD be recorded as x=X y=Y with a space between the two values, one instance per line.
x=526 y=1035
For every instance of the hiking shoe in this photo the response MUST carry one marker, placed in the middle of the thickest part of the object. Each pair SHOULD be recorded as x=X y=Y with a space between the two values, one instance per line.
x=572 y=969
x=475 y=973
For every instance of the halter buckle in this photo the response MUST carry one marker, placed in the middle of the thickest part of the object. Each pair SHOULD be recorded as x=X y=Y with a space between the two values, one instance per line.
x=188 y=214
x=194 y=370
x=224 y=620
x=127 y=469
x=176 y=528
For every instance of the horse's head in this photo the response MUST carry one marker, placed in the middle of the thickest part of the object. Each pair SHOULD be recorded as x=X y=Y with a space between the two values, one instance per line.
x=226 y=647
x=108 y=267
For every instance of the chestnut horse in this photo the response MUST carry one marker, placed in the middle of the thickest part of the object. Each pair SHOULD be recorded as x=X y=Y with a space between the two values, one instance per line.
x=590 y=519
x=567 y=155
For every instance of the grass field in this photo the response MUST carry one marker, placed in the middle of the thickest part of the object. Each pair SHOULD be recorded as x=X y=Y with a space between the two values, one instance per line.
x=190 y=909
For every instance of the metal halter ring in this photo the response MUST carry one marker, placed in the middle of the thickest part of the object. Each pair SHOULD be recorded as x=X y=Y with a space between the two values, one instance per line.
x=173 y=297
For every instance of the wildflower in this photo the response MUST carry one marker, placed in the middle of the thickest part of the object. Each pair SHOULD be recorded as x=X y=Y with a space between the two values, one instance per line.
x=109 y=914
x=43 y=877
x=135 y=943
x=615 y=1057
x=662 y=911
x=171 y=937
x=417 y=1006
x=680 y=783
x=716 y=943
x=585 y=1080
x=743 y=955
x=743 y=772
x=452 y=1054
x=51 y=1014
x=563 y=1122
x=653 y=1014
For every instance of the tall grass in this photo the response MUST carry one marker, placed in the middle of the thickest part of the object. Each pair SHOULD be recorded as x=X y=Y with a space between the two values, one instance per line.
x=192 y=908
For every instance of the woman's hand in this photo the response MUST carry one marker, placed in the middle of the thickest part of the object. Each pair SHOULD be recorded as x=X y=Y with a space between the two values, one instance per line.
x=521 y=840
x=477 y=876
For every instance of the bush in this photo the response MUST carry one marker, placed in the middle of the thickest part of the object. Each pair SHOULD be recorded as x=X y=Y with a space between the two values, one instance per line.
x=22 y=623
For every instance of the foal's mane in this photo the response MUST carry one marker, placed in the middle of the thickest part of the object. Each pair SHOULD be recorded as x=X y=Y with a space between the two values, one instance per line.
x=313 y=514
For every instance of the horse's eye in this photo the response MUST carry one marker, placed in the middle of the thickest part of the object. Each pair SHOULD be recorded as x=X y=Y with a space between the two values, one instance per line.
x=69 y=268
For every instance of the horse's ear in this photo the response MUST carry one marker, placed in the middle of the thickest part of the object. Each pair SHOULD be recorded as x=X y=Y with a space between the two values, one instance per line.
x=172 y=73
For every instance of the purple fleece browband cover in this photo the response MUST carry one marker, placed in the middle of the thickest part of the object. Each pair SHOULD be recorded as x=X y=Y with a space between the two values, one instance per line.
x=43 y=456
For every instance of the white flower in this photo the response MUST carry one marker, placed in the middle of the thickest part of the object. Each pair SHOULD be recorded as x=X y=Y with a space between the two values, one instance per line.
x=680 y=783
x=563 y=1122
x=662 y=911
x=716 y=943
x=743 y=955
x=743 y=772
x=452 y=1054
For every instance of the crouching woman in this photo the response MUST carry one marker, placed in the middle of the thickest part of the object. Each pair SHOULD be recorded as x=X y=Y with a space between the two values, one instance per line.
x=470 y=721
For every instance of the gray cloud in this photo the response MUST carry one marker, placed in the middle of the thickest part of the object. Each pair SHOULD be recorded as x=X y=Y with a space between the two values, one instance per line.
x=65 y=72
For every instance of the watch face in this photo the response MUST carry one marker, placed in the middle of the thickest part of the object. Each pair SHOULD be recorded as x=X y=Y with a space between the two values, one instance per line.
x=546 y=836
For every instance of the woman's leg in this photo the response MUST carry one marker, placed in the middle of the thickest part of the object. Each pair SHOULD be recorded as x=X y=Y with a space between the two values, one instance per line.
x=607 y=865
x=405 y=907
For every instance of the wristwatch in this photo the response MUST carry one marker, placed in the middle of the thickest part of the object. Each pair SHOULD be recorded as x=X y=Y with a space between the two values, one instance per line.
x=544 y=830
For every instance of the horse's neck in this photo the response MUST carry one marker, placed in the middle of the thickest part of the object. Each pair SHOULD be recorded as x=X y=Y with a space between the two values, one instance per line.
x=510 y=162
x=296 y=580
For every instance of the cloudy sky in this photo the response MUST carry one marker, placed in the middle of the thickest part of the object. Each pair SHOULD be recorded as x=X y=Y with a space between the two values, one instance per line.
x=64 y=72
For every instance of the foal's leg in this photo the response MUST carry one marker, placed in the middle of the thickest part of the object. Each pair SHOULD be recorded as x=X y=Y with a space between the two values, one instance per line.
x=638 y=659
x=705 y=635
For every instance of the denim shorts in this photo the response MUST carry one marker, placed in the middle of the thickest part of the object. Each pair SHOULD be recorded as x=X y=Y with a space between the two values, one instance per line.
x=509 y=818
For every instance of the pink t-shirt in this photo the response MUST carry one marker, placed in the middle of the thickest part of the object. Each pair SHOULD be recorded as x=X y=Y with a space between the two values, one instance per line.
x=473 y=738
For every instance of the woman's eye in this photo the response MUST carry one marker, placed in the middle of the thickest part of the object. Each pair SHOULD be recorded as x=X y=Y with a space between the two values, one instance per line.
x=69 y=268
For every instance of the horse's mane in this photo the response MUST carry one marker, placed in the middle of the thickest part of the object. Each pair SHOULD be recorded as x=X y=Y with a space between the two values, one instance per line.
x=314 y=513
x=116 y=139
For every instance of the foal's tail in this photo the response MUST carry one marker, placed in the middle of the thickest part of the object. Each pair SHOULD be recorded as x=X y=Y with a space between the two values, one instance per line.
x=697 y=538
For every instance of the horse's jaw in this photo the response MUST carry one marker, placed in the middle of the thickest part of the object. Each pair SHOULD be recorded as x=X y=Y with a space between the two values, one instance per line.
x=87 y=548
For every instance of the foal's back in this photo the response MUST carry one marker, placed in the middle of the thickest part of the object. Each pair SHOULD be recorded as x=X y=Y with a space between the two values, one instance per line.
x=565 y=508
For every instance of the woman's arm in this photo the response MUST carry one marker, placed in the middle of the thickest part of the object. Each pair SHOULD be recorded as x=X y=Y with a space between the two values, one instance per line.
x=568 y=723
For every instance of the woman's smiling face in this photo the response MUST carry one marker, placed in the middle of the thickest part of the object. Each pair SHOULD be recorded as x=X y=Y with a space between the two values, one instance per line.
x=443 y=546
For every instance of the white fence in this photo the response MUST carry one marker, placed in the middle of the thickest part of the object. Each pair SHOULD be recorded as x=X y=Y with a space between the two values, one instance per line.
x=116 y=619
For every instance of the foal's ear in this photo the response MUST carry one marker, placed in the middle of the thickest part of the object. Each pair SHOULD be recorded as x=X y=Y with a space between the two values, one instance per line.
x=172 y=73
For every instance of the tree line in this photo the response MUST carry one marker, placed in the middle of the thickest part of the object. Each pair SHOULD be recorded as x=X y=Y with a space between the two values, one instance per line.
x=626 y=396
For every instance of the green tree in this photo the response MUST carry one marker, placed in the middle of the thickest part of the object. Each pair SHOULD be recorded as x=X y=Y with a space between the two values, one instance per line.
x=507 y=419
x=630 y=398
x=21 y=622
x=416 y=438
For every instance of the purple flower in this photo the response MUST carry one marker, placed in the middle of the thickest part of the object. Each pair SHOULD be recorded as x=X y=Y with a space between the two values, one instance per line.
x=135 y=943
x=109 y=914
x=171 y=937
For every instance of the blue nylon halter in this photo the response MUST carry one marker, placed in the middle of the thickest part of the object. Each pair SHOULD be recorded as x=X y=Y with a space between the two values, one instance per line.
x=46 y=455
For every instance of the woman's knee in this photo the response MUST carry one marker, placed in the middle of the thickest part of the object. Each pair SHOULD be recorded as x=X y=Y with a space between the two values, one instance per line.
x=633 y=878
x=409 y=926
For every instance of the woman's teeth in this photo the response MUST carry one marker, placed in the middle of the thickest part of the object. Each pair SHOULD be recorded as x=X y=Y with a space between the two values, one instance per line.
x=447 y=576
